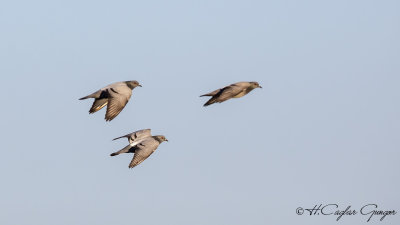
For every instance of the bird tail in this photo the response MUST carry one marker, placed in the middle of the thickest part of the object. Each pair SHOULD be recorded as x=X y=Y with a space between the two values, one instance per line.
x=124 y=150
x=97 y=94
x=211 y=93
x=86 y=97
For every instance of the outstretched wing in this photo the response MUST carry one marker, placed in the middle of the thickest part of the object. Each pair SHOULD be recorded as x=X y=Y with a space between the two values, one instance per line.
x=118 y=98
x=140 y=134
x=143 y=150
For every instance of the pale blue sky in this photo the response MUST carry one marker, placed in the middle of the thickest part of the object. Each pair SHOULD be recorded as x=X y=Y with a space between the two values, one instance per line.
x=324 y=129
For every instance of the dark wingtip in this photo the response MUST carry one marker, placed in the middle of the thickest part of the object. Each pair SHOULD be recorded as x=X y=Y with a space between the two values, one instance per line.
x=209 y=102
x=113 y=154
x=108 y=119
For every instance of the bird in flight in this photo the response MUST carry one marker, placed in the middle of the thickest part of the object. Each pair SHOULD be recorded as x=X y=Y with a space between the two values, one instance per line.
x=235 y=90
x=142 y=145
x=115 y=96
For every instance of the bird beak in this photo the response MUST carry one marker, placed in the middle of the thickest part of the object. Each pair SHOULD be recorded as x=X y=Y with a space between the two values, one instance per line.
x=166 y=140
x=259 y=86
x=140 y=85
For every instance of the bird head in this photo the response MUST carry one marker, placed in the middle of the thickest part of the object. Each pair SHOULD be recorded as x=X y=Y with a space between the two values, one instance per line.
x=132 y=84
x=255 y=85
x=161 y=138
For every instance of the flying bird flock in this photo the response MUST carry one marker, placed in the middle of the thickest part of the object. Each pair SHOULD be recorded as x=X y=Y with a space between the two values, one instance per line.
x=141 y=143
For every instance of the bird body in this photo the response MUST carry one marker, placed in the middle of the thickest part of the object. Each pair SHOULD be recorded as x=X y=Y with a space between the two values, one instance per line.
x=235 y=90
x=115 y=96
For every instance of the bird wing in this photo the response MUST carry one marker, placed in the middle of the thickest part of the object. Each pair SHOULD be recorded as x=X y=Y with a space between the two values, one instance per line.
x=117 y=100
x=98 y=104
x=127 y=136
x=140 y=134
x=229 y=92
x=143 y=150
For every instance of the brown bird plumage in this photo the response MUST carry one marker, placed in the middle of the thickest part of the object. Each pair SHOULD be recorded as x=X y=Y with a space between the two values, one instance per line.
x=235 y=90
x=142 y=150
x=115 y=96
